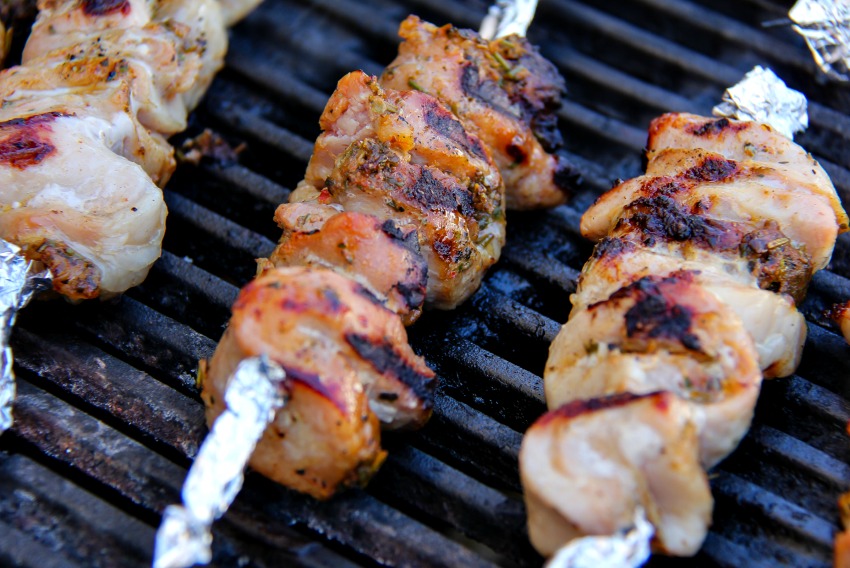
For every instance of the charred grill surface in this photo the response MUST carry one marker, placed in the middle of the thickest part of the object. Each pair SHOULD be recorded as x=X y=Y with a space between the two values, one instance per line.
x=108 y=416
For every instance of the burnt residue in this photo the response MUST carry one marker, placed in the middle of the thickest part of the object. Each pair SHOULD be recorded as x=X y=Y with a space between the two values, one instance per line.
x=74 y=277
x=715 y=127
x=25 y=142
x=776 y=263
x=567 y=175
x=612 y=247
x=661 y=218
x=434 y=194
x=656 y=314
x=383 y=357
x=413 y=294
x=441 y=119
x=712 y=169
x=105 y=7
x=406 y=236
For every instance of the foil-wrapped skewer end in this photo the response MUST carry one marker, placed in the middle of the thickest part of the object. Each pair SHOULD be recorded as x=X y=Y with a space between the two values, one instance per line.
x=763 y=97
x=825 y=25
x=507 y=17
x=254 y=395
x=20 y=280
x=629 y=549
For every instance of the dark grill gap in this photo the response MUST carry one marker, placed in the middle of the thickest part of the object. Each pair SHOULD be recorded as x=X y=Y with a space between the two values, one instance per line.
x=108 y=417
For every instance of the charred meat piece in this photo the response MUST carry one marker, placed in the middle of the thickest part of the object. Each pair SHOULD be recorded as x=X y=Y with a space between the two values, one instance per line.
x=349 y=367
x=503 y=91
x=403 y=157
x=376 y=254
x=587 y=465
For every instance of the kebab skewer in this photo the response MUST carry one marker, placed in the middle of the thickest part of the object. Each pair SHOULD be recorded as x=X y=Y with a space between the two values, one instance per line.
x=402 y=206
x=689 y=299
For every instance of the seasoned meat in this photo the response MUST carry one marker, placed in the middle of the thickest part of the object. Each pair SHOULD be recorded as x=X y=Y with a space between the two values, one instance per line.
x=690 y=294
x=503 y=91
x=662 y=334
x=83 y=131
x=772 y=320
x=403 y=157
x=376 y=254
x=326 y=435
x=588 y=465
x=348 y=365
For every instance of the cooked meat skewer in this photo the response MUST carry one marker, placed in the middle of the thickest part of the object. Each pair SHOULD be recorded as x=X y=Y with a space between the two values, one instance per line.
x=406 y=206
x=691 y=291
x=83 y=133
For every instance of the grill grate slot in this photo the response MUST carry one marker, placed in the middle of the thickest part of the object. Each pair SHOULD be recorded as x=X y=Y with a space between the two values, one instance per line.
x=105 y=446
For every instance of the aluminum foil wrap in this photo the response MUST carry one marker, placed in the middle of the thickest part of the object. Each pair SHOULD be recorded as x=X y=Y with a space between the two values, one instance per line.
x=508 y=17
x=20 y=280
x=825 y=25
x=255 y=393
x=628 y=549
x=763 y=97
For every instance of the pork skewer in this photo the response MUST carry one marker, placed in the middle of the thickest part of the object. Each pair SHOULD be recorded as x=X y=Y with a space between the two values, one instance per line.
x=401 y=206
x=690 y=296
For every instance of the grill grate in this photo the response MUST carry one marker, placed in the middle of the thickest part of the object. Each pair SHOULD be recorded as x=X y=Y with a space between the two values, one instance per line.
x=108 y=416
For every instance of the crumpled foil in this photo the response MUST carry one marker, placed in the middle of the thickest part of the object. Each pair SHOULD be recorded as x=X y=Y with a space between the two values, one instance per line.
x=629 y=549
x=20 y=280
x=825 y=25
x=763 y=97
x=508 y=17
x=255 y=393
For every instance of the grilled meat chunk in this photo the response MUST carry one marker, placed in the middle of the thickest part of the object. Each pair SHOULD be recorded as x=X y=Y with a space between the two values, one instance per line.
x=588 y=465
x=402 y=156
x=348 y=364
x=83 y=133
x=503 y=91
x=662 y=334
x=376 y=254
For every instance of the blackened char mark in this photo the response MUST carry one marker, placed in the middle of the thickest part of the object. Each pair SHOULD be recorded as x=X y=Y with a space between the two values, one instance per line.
x=612 y=247
x=433 y=194
x=24 y=141
x=387 y=361
x=105 y=7
x=444 y=122
x=413 y=294
x=715 y=127
x=662 y=218
x=712 y=169
x=407 y=237
x=544 y=126
x=655 y=313
x=567 y=175
x=485 y=91
x=577 y=408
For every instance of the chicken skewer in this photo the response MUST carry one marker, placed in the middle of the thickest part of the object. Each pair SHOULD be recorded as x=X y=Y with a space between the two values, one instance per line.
x=83 y=142
x=690 y=296
x=401 y=206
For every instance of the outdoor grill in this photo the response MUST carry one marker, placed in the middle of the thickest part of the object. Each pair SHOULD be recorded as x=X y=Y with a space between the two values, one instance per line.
x=108 y=415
